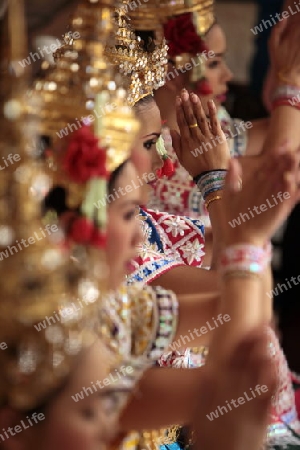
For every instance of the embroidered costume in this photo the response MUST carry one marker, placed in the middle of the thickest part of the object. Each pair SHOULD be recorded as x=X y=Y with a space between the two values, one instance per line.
x=284 y=420
x=169 y=241
x=139 y=322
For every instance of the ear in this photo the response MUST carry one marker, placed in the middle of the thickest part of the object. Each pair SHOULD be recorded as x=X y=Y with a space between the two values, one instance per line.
x=12 y=435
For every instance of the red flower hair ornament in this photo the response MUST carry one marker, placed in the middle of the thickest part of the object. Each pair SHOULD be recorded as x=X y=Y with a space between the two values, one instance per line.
x=182 y=38
x=85 y=164
x=84 y=158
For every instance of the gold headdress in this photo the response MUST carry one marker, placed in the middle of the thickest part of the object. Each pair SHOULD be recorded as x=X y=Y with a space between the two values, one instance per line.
x=153 y=14
x=85 y=91
x=146 y=69
x=83 y=87
x=39 y=283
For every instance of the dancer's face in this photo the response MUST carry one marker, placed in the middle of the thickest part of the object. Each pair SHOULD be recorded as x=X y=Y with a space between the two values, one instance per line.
x=124 y=231
x=217 y=72
x=71 y=422
x=150 y=131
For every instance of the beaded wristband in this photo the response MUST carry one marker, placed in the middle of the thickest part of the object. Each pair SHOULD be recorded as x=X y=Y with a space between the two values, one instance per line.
x=286 y=91
x=210 y=182
x=245 y=258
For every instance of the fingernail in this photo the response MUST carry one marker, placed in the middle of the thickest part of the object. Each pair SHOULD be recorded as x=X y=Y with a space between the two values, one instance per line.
x=184 y=94
x=178 y=101
x=239 y=185
x=212 y=104
x=194 y=97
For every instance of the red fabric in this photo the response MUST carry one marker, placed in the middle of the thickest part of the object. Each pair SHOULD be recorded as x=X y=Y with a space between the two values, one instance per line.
x=297 y=402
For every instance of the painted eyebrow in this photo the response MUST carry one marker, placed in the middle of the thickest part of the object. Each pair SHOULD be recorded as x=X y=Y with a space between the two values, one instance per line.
x=135 y=202
x=219 y=55
x=152 y=134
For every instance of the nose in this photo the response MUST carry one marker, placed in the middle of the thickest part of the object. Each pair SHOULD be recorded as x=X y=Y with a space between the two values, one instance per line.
x=227 y=75
x=138 y=233
x=157 y=163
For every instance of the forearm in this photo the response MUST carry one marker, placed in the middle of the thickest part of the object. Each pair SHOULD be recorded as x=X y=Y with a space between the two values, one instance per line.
x=196 y=323
x=241 y=300
x=162 y=398
x=187 y=280
x=216 y=218
x=266 y=294
x=284 y=126
x=256 y=136
x=207 y=259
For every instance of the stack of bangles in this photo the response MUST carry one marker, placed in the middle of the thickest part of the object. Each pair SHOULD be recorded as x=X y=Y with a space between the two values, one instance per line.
x=211 y=184
x=286 y=95
x=244 y=260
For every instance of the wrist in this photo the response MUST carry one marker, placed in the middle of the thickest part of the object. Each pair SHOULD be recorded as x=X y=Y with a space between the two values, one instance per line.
x=286 y=95
x=240 y=239
x=244 y=259
x=212 y=198
x=290 y=78
x=211 y=182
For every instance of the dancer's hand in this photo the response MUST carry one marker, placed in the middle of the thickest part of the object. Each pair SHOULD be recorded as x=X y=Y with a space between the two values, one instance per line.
x=247 y=367
x=269 y=192
x=284 y=52
x=201 y=145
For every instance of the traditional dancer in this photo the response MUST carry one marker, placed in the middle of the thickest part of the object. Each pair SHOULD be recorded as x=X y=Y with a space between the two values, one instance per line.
x=117 y=329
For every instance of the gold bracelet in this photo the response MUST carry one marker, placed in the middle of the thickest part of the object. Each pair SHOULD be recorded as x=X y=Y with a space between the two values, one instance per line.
x=213 y=199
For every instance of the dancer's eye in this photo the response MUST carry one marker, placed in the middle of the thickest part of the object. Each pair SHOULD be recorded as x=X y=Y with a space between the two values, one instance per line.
x=148 y=144
x=130 y=215
x=214 y=64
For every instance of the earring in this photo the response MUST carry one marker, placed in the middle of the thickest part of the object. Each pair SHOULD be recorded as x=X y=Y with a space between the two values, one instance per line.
x=203 y=87
x=168 y=167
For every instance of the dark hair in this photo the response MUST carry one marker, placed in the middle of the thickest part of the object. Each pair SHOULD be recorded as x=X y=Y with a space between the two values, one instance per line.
x=115 y=175
x=148 y=38
x=56 y=198
x=143 y=103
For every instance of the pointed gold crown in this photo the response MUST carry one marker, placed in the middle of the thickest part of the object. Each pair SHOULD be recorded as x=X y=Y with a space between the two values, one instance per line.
x=145 y=68
x=40 y=329
x=153 y=14
x=69 y=88
x=84 y=88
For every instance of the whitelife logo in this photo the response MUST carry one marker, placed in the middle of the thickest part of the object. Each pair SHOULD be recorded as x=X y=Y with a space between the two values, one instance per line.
x=265 y=24
x=12 y=431
x=238 y=402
